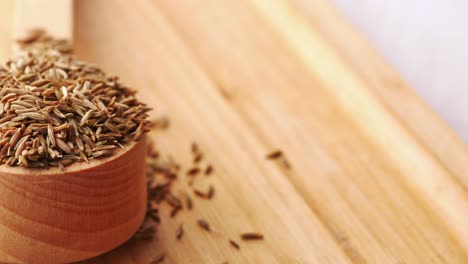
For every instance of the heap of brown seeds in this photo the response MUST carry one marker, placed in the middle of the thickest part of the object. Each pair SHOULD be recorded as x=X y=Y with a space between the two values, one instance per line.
x=56 y=109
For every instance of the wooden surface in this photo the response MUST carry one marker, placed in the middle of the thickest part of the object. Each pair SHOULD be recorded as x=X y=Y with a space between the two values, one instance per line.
x=54 y=16
x=376 y=176
x=47 y=217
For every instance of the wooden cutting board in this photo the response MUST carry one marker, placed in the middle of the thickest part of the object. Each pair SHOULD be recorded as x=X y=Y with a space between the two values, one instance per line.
x=375 y=176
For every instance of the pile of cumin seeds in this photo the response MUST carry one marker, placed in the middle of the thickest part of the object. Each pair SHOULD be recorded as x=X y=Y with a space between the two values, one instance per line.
x=56 y=109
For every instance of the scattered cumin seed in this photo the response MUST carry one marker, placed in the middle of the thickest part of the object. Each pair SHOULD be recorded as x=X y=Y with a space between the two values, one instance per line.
x=275 y=154
x=175 y=211
x=154 y=216
x=179 y=232
x=199 y=193
x=173 y=200
x=188 y=201
x=251 y=236
x=197 y=158
x=208 y=195
x=208 y=170
x=234 y=244
x=193 y=171
x=211 y=192
x=204 y=225
x=194 y=148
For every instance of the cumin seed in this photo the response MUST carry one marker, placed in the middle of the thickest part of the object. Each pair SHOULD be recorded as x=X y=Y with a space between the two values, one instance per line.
x=199 y=193
x=203 y=224
x=211 y=192
x=188 y=202
x=193 y=171
x=175 y=211
x=180 y=232
x=209 y=170
x=275 y=154
x=251 y=236
x=234 y=244
x=198 y=157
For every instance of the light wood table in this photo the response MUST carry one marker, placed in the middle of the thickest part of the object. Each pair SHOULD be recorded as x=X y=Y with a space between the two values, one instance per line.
x=375 y=177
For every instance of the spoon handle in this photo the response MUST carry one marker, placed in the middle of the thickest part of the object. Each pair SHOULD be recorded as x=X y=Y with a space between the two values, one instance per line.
x=54 y=16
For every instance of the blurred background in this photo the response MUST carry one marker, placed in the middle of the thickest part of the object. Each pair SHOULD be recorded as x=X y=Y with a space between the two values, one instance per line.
x=426 y=41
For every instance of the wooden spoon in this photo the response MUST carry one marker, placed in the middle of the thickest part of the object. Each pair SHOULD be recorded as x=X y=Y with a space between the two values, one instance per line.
x=47 y=216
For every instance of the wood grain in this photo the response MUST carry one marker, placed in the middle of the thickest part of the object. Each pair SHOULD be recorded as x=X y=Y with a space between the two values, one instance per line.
x=419 y=168
x=426 y=127
x=242 y=78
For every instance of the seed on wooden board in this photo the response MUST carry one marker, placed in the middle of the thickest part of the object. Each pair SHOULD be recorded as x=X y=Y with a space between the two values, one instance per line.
x=234 y=244
x=188 y=202
x=154 y=216
x=199 y=193
x=173 y=200
x=180 y=232
x=251 y=236
x=275 y=154
x=198 y=157
x=193 y=171
x=194 y=147
x=211 y=192
x=209 y=170
x=175 y=211
x=204 y=225
x=208 y=195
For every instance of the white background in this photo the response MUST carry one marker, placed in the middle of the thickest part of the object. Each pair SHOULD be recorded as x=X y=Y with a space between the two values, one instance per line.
x=427 y=42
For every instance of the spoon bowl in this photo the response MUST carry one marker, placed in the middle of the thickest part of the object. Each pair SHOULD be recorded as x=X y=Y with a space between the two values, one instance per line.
x=47 y=216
